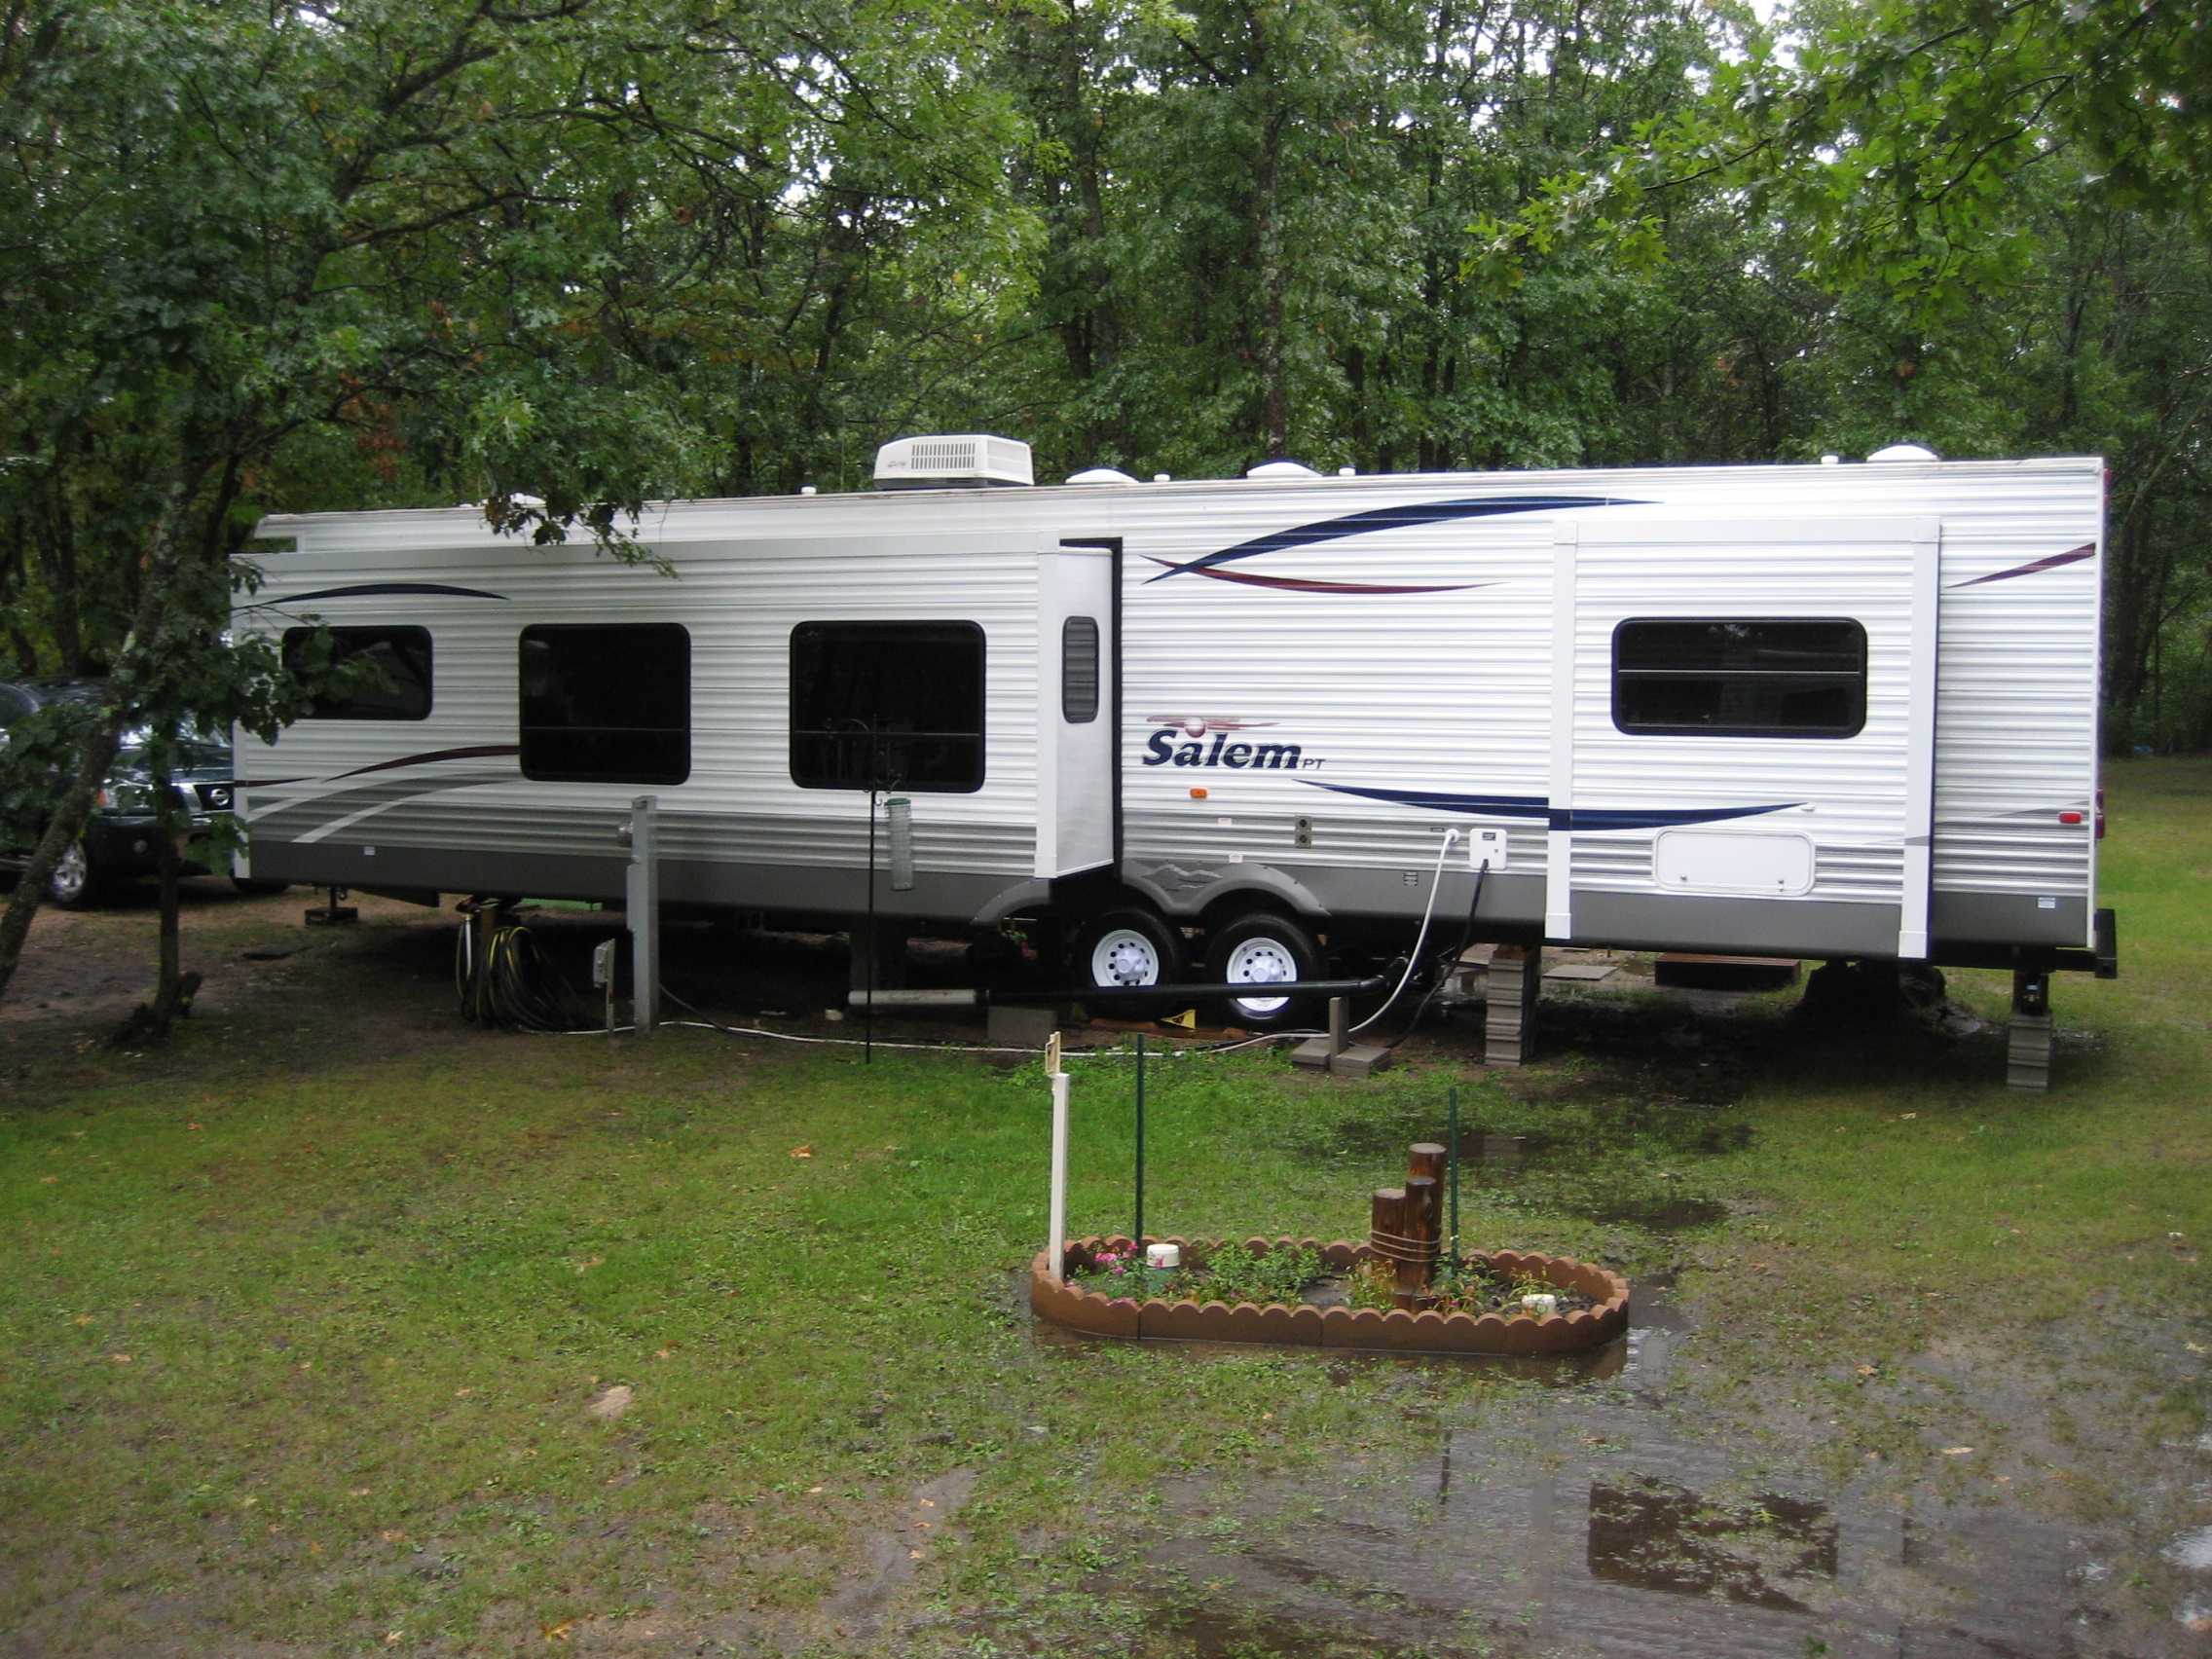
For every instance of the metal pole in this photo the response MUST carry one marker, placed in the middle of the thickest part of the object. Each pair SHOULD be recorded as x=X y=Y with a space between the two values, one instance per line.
x=1055 y=1242
x=1139 y=1235
x=1455 y=1172
x=867 y=1035
x=641 y=898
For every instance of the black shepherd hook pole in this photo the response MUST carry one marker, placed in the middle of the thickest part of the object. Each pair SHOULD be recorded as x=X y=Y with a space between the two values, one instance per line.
x=867 y=1033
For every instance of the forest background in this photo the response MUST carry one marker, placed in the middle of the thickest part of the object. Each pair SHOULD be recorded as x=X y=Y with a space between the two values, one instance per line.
x=566 y=256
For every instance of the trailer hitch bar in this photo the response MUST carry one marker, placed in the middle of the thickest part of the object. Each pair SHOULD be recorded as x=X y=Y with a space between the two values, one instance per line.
x=978 y=997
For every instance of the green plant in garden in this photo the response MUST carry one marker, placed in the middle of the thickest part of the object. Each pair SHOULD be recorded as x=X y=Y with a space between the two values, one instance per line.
x=1235 y=1272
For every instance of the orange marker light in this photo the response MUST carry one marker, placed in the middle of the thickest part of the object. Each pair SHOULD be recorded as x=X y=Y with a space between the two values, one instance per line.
x=1198 y=795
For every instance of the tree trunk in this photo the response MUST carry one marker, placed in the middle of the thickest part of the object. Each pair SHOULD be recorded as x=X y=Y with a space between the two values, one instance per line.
x=168 y=974
x=107 y=734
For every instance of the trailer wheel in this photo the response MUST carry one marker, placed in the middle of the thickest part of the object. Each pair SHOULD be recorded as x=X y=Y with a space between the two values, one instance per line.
x=1264 y=949
x=1129 y=946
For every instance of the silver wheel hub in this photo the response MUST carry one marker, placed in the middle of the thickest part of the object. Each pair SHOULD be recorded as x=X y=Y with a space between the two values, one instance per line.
x=1125 y=957
x=1261 y=961
x=69 y=871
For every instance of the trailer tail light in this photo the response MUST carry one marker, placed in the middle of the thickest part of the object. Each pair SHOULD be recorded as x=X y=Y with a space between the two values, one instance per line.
x=2100 y=815
x=2070 y=818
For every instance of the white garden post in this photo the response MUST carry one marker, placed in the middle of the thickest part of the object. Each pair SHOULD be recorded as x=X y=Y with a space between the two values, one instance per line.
x=1055 y=1242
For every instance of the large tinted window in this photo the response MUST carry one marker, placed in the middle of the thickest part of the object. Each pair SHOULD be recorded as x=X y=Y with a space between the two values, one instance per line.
x=607 y=705
x=1726 y=677
x=887 y=705
x=398 y=690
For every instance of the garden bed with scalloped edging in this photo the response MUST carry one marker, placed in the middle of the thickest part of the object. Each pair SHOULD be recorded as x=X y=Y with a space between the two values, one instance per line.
x=1308 y=1325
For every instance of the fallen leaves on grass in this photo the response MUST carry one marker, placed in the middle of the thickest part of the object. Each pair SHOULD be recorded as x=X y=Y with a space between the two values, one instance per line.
x=1864 y=1370
x=555 y=1633
x=120 y=1358
x=797 y=1152
x=81 y=1319
x=393 y=1536
x=593 y=1262
x=1958 y=1451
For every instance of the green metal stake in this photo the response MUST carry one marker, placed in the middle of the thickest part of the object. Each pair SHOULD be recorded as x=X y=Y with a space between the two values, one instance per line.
x=1138 y=1236
x=1453 y=1157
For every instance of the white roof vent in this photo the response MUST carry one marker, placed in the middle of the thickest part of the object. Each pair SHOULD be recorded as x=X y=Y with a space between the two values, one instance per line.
x=965 y=461
x=1280 y=469
x=1904 y=452
x=1101 y=476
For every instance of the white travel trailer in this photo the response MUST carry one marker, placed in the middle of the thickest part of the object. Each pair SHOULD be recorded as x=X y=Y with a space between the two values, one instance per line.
x=1819 y=711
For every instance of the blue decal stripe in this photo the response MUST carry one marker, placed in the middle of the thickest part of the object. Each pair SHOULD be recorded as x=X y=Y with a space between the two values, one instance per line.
x=1393 y=518
x=1582 y=818
x=365 y=590
x=1488 y=806
x=1538 y=806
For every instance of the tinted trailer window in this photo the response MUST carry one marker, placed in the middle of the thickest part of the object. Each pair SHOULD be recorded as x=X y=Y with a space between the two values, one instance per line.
x=1730 y=677
x=887 y=705
x=607 y=705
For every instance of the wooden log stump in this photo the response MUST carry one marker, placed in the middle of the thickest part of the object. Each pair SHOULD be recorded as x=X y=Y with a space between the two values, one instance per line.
x=1386 y=1230
x=1424 y=1226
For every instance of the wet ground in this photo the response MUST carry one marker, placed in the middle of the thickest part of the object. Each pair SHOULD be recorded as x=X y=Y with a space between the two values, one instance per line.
x=1590 y=1520
x=1619 y=1503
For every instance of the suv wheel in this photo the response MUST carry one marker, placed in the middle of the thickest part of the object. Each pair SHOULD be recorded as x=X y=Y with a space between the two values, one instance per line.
x=76 y=884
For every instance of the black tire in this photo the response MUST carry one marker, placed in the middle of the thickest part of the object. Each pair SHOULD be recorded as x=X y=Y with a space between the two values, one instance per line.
x=77 y=882
x=253 y=889
x=1129 y=945
x=1263 y=947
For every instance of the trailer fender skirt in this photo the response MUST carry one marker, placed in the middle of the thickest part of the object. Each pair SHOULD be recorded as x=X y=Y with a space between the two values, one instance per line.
x=1022 y=896
x=1180 y=890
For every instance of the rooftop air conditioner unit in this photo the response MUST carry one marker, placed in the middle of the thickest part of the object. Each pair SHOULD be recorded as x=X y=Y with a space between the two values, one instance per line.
x=967 y=462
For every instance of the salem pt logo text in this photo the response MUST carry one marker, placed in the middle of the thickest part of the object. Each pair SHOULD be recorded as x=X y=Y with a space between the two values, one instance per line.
x=1223 y=749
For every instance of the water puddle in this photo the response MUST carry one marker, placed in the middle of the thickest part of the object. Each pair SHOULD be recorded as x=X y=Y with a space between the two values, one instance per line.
x=1588 y=1521
x=1652 y=1534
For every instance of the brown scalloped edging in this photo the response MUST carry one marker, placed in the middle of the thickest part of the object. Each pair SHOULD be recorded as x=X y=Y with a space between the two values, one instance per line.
x=1396 y=1331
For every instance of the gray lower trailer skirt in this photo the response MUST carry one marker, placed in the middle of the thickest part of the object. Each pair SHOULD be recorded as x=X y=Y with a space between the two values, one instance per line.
x=1968 y=926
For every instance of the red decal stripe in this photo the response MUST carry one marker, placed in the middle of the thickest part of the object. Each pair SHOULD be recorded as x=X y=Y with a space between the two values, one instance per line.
x=1295 y=584
x=435 y=754
x=2050 y=563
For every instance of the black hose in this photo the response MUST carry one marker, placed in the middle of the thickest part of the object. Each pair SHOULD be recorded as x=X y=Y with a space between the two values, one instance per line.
x=515 y=985
x=1466 y=938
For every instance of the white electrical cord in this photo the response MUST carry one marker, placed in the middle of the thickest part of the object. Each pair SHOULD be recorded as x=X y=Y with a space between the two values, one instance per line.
x=705 y=1024
x=1413 y=961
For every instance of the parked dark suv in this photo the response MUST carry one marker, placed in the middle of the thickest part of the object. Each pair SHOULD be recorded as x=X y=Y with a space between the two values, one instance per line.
x=119 y=842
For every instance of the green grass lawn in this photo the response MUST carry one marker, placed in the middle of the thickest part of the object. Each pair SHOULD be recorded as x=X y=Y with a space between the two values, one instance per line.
x=301 y=1321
